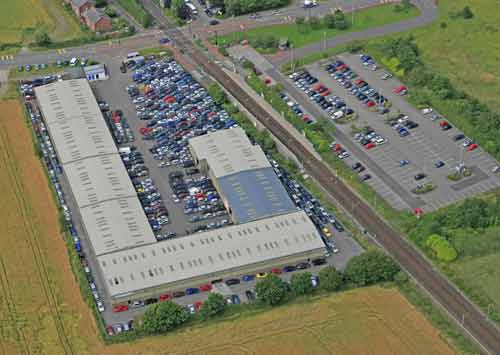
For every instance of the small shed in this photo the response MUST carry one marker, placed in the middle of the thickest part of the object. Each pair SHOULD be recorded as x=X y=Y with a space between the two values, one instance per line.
x=95 y=72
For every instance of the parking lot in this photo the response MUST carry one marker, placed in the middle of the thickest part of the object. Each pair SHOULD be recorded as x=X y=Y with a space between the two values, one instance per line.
x=398 y=158
x=156 y=171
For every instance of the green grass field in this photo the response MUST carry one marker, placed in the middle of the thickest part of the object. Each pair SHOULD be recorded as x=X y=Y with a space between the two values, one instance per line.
x=17 y=24
x=364 y=19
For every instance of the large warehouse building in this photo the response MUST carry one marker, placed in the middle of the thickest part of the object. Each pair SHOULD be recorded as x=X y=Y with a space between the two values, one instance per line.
x=242 y=175
x=269 y=231
x=111 y=212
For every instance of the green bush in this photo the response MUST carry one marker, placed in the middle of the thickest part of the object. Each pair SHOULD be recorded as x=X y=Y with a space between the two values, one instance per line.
x=442 y=249
x=271 y=290
x=213 y=306
x=301 y=283
x=370 y=267
x=240 y=7
x=163 y=317
x=330 y=279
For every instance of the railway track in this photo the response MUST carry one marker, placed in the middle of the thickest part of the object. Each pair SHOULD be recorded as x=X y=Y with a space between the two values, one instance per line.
x=465 y=313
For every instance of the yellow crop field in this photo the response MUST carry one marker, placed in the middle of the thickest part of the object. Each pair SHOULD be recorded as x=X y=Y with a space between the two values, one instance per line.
x=42 y=310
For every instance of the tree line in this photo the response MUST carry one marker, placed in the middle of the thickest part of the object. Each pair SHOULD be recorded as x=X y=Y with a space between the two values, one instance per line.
x=366 y=269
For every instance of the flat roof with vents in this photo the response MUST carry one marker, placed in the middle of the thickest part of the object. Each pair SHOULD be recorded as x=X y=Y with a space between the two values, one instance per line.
x=255 y=194
x=98 y=179
x=74 y=120
x=111 y=212
x=209 y=252
x=228 y=151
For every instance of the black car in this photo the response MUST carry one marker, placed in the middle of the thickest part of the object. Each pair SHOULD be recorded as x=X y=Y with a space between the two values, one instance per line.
x=231 y=282
x=213 y=22
x=317 y=262
x=458 y=137
x=338 y=226
x=365 y=177
x=419 y=176
x=302 y=266
x=178 y=294
x=250 y=295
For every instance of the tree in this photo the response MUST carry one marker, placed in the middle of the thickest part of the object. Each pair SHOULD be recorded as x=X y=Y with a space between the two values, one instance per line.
x=340 y=20
x=329 y=20
x=42 y=38
x=101 y=3
x=314 y=22
x=301 y=283
x=442 y=248
x=147 y=20
x=370 y=267
x=163 y=317
x=467 y=13
x=179 y=9
x=330 y=279
x=213 y=306
x=271 y=290
x=219 y=96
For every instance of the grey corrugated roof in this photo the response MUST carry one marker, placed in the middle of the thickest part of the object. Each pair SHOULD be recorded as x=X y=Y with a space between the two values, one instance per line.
x=228 y=151
x=209 y=252
x=74 y=120
x=92 y=15
x=110 y=209
x=99 y=179
x=255 y=194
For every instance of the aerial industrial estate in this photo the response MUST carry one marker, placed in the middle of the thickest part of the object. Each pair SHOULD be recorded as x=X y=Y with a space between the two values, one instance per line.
x=209 y=156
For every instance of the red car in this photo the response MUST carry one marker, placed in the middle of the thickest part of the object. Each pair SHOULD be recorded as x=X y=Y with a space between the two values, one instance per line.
x=337 y=147
x=276 y=271
x=370 y=103
x=401 y=90
x=267 y=81
x=165 y=297
x=109 y=330
x=205 y=288
x=370 y=145
x=120 y=308
x=318 y=87
x=197 y=305
x=444 y=125
x=471 y=147
x=326 y=93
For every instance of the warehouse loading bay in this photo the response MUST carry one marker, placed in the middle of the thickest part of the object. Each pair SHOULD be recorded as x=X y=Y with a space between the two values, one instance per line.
x=113 y=91
x=393 y=167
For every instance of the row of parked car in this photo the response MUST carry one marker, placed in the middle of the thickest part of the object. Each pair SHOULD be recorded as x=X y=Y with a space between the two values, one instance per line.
x=297 y=109
x=333 y=105
x=118 y=125
x=356 y=86
x=54 y=169
x=304 y=200
x=147 y=192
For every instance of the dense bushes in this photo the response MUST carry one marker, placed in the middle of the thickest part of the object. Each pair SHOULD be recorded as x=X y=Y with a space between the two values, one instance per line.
x=240 y=7
x=271 y=290
x=442 y=248
x=163 y=317
x=371 y=267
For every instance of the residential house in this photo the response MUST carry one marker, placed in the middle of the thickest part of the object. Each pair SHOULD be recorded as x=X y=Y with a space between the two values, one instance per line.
x=96 y=21
x=79 y=6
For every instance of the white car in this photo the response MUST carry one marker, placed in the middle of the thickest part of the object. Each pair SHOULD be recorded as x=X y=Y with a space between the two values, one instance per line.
x=496 y=169
x=100 y=306
x=427 y=110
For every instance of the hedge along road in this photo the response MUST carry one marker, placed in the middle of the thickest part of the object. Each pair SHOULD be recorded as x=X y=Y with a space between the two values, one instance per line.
x=428 y=14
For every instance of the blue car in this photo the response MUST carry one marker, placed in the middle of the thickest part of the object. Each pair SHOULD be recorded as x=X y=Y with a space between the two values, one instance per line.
x=248 y=278
x=439 y=164
x=289 y=268
x=403 y=162
x=192 y=291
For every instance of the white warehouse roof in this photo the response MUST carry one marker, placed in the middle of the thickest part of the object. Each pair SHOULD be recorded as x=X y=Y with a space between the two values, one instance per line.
x=209 y=252
x=116 y=224
x=98 y=179
x=110 y=210
x=228 y=151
